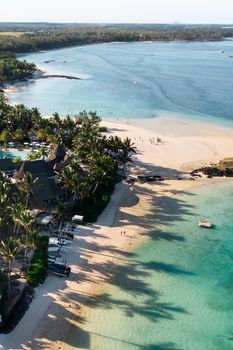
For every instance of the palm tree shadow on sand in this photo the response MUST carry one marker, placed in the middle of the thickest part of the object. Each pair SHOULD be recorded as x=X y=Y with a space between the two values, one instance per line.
x=129 y=278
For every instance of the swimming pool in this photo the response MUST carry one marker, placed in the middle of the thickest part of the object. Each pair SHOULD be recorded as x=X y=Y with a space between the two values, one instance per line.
x=13 y=153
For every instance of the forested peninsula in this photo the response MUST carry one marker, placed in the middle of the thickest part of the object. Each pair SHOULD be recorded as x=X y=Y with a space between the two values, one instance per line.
x=16 y=38
x=21 y=38
x=12 y=69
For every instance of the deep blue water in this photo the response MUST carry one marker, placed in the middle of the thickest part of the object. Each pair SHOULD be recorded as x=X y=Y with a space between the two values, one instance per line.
x=135 y=80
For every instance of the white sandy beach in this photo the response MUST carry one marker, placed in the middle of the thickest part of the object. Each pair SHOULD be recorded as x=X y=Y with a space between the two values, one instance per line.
x=58 y=306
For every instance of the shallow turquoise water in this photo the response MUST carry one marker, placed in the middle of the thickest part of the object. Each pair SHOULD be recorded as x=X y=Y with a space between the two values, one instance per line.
x=135 y=80
x=14 y=153
x=176 y=292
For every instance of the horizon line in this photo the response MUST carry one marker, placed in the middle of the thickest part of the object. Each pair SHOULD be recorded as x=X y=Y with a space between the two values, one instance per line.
x=132 y=23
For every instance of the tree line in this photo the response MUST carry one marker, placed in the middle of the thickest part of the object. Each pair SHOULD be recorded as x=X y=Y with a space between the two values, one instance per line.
x=46 y=39
x=87 y=193
x=12 y=69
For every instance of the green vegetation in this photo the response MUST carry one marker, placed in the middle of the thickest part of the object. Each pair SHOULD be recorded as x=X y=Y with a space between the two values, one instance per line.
x=12 y=69
x=17 y=227
x=38 y=269
x=88 y=178
x=44 y=37
x=8 y=251
x=91 y=209
x=87 y=174
x=88 y=146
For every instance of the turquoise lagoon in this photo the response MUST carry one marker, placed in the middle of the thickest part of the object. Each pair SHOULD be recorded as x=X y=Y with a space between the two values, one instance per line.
x=135 y=80
x=176 y=291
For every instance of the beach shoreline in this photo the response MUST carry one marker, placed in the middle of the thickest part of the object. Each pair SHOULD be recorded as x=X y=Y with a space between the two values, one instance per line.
x=40 y=73
x=59 y=304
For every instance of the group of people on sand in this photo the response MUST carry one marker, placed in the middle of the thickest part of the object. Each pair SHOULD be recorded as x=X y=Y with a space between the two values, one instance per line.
x=152 y=140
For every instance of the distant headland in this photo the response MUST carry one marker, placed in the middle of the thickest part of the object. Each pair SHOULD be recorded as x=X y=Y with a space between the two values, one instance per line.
x=20 y=38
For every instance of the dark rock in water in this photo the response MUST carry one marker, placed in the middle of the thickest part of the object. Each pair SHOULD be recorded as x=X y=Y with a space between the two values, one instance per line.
x=194 y=173
x=228 y=172
x=213 y=171
x=59 y=76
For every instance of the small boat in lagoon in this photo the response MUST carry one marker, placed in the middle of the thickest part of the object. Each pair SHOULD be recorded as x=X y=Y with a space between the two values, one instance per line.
x=204 y=223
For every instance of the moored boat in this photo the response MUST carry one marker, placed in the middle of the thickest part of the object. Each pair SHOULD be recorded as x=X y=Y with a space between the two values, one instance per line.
x=204 y=223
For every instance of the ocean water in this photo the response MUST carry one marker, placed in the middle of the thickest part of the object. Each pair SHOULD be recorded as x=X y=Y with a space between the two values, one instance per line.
x=135 y=80
x=176 y=291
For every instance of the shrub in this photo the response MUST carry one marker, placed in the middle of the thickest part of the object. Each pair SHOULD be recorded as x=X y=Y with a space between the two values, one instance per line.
x=103 y=129
x=95 y=206
x=38 y=269
x=3 y=301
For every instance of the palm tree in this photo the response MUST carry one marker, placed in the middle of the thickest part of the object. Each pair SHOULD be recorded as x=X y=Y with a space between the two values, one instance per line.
x=57 y=120
x=75 y=186
x=59 y=213
x=19 y=135
x=65 y=176
x=88 y=137
x=4 y=106
x=42 y=152
x=35 y=118
x=128 y=149
x=25 y=220
x=5 y=137
x=70 y=181
x=27 y=186
x=8 y=251
x=18 y=208
x=33 y=156
x=114 y=143
x=5 y=206
x=102 y=169
x=28 y=242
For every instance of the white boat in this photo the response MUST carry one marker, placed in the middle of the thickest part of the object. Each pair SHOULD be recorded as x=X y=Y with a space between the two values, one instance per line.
x=204 y=223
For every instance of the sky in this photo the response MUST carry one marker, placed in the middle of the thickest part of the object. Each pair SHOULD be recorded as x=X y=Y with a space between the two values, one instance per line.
x=117 y=11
